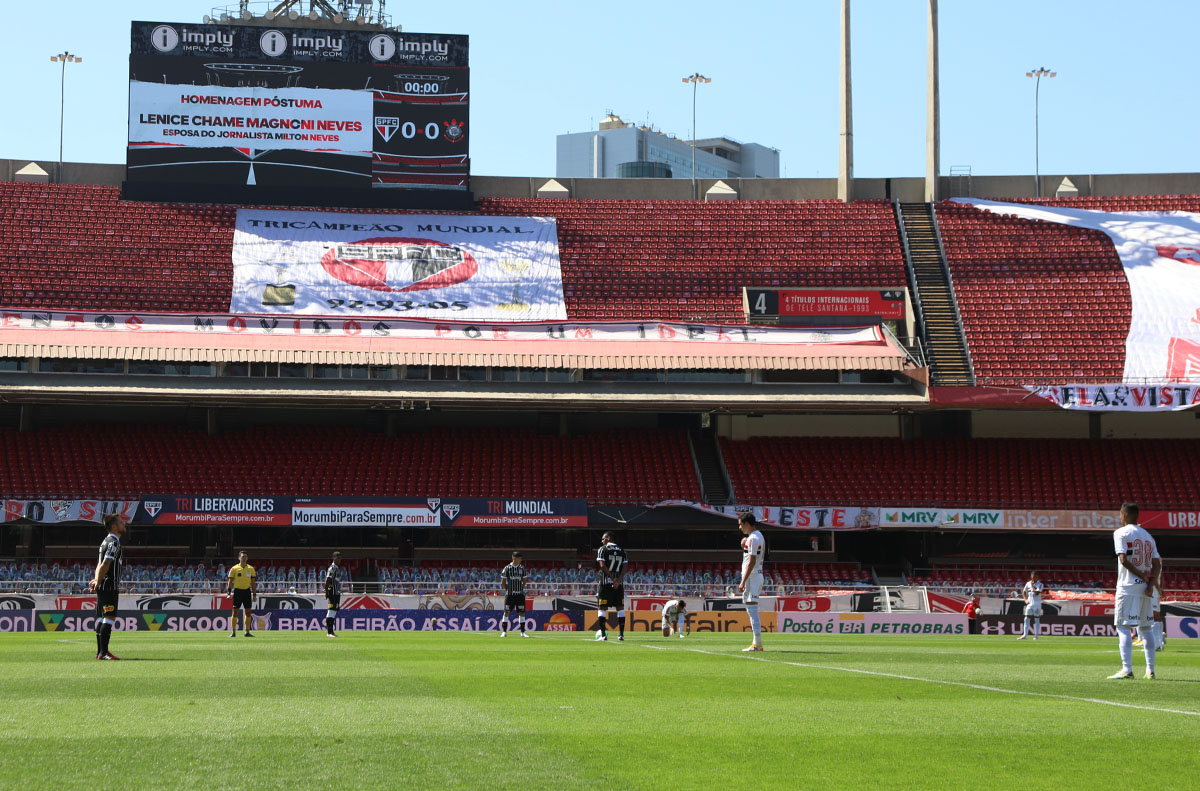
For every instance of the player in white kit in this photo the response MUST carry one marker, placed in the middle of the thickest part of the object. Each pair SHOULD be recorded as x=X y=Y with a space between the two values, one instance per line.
x=1032 y=593
x=754 y=552
x=1138 y=567
x=674 y=615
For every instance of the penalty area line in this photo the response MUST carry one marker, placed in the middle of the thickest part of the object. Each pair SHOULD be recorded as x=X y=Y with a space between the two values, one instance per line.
x=965 y=684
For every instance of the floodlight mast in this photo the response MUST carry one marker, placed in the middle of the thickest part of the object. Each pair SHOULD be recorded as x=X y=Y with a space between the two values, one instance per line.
x=357 y=14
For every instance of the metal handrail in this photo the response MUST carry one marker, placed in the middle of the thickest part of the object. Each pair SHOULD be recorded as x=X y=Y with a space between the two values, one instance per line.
x=962 y=331
x=910 y=273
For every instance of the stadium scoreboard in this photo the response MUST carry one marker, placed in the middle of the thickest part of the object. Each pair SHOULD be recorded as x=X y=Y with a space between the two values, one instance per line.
x=247 y=105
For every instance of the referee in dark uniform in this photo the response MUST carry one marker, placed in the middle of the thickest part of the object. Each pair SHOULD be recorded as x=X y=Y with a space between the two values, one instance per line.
x=105 y=583
x=513 y=577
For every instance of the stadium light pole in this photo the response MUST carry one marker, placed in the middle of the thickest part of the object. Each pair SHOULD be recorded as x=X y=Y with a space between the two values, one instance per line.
x=695 y=80
x=64 y=58
x=1037 y=74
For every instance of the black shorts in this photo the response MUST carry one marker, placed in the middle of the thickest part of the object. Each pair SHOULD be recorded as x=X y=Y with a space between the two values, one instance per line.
x=242 y=598
x=611 y=597
x=514 y=601
x=106 y=603
x=335 y=602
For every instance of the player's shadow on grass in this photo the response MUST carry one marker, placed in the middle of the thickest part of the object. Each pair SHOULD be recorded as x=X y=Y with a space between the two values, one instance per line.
x=807 y=653
x=151 y=659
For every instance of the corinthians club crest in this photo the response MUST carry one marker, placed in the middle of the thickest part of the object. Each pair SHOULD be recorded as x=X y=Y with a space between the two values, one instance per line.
x=456 y=130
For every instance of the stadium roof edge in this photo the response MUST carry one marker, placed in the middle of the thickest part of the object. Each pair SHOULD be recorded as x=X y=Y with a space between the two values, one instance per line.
x=908 y=189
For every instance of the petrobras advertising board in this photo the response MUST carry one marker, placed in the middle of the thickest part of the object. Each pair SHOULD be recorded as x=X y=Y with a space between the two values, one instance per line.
x=874 y=623
x=413 y=266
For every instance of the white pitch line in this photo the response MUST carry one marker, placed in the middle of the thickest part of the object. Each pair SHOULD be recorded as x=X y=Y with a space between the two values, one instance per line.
x=982 y=687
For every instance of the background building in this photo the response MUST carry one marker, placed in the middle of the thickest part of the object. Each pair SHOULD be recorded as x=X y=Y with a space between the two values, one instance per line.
x=624 y=150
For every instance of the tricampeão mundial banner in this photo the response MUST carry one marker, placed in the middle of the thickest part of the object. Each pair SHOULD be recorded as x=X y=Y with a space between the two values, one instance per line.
x=248 y=105
x=456 y=267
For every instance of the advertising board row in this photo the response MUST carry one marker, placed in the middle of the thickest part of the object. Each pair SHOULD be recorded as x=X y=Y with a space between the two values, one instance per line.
x=865 y=517
x=876 y=624
x=898 y=624
x=176 y=509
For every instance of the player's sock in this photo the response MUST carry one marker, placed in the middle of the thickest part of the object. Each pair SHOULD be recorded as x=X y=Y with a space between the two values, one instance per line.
x=329 y=624
x=602 y=622
x=621 y=622
x=1157 y=631
x=99 y=639
x=755 y=623
x=1125 y=646
x=1025 y=627
x=504 y=622
x=105 y=635
x=521 y=621
x=1037 y=627
x=246 y=621
x=1149 y=650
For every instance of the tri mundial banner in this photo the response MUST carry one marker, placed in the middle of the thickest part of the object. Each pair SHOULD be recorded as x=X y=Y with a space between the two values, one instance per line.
x=246 y=105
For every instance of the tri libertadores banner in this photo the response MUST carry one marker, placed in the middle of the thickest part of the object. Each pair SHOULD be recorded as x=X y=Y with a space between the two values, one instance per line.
x=458 y=267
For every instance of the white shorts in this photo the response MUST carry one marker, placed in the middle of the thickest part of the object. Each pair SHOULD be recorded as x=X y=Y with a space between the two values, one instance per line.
x=1033 y=610
x=1133 y=607
x=753 y=588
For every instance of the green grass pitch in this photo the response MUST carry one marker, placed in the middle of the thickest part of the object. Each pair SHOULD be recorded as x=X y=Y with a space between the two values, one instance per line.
x=474 y=711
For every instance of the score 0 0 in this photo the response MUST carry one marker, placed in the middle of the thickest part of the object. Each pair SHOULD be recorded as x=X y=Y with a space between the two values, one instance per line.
x=431 y=130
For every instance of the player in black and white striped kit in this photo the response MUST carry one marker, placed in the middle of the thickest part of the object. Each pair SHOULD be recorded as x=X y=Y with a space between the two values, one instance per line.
x=513 y=579
x=333 y=592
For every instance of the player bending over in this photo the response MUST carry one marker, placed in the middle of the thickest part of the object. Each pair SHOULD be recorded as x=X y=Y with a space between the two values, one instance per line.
x=333 y=591
x=1138 y=567
x=1032 y=593
x=754 y=552
x=513 y=579
x=674 y=613
x=612 y=561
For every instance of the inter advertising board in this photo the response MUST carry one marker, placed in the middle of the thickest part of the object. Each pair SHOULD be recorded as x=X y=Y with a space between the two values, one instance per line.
x=247 y=105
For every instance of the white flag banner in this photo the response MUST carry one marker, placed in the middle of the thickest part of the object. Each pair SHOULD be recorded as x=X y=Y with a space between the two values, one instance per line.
x=410 y=266
x=1160 y=252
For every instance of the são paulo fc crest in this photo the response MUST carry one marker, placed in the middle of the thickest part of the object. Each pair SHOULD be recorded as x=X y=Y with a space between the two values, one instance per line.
x=386 y=126
x=450 y=510
x=152 y=507
x=395 y=264
x=62 y=509
x=434 y=503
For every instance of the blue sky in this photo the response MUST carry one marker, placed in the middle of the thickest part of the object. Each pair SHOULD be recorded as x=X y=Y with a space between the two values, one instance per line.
x=1123 y=100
